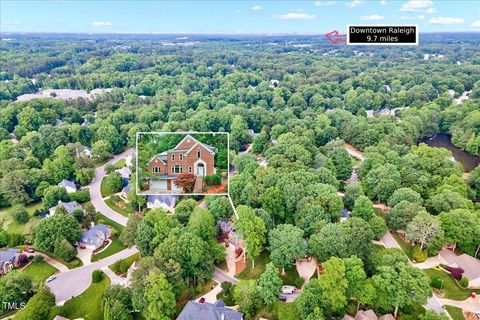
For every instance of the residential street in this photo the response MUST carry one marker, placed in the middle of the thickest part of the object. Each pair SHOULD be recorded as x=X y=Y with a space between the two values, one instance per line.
x=220 y=276
x=73 y=282
x=96 y=196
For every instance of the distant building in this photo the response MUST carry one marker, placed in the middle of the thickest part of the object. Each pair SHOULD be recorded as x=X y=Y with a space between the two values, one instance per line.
x=274 y=83
x=69 y=206
x=208 y=311
x=125 y=191
x=165 y=202
x=8 y=260
x=94 y=237
x=368 y=315
x=68 y=185
x=125 y=173
x=252 y=133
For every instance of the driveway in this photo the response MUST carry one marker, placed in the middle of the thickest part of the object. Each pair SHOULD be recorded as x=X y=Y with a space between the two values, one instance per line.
x=211 y=296
x=85 y=255
x=219 y=276
x=469 y=305
x=96 y=195
x=389 y=241
x=306 y=268
x=71 y=283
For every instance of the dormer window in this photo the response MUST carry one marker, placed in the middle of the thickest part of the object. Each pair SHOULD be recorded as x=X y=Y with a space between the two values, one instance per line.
x=180 y=156
x=199 y=154
x=173 y=156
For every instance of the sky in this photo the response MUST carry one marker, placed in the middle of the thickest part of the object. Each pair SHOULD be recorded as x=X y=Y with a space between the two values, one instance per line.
x=232 y=17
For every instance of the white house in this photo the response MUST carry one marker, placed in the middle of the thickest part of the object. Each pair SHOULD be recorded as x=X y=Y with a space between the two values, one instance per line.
x=68 y=185
x=166 y=202
x=124 y=172
x=69 y=206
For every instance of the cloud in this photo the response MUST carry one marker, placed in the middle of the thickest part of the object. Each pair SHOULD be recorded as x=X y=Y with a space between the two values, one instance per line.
x=101 y=24
x=446 y=20
x=418 y=6
x=295 y=16
x=325 y=3
x=383 y=2
x=354 y=3
x=11 y=22
x=419 y=17
x=372 y=17
x=256 y=8
x=476 y=24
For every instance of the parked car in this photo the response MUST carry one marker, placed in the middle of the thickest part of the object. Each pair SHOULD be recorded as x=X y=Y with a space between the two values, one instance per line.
x=51 y=278
x=202 y=300
x=282 y=298
x=29 y=250
x=288 y=289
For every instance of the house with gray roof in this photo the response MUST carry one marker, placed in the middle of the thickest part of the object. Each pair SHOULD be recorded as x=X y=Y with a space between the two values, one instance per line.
x=165 y=202
x=208 y=311
x=94 y=237
x=69 y=206
x=68 y=185
x=8 y=260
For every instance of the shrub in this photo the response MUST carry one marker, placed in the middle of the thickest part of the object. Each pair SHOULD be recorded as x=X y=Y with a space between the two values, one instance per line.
x=38 y=259
x=455 y=272
x=123 y=266
x=214 y=179
x=20 y=214
x=185 y=181
x=97 y=276
x=80 y=196
x=109 y=168
x=463 y=282
x=437 y=283
x=298 y=282
x=419 y=255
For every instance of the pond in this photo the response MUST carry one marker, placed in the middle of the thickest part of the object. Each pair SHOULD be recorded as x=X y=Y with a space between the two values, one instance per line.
x=441 y=140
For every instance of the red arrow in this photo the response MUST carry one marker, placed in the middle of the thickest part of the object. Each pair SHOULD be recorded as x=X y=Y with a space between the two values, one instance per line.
x=336 y=37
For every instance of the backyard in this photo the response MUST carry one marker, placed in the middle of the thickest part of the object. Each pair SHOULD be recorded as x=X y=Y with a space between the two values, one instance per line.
x=11 y=226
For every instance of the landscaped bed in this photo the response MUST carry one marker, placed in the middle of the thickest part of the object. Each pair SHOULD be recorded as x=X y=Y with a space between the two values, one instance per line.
x=119 y=205
x=114 y=247
x=450 y=290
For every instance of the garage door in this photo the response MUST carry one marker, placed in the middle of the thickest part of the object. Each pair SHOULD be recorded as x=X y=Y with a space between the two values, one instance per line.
x=158 y=184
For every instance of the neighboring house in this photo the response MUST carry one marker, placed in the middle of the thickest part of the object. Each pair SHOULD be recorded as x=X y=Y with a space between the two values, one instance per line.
x=8 y=260
x=470 y=266
x=83 y=151
x=125 y=190
x=60 y=318
x=188 y=156
x=208 y=311
x=68 y=185
x=125 y=173
x=252 y=133
x=69 y=206
x=274 y=83
x=166 y=202
x=94 y=237
x=345 y=214
x=368 y=315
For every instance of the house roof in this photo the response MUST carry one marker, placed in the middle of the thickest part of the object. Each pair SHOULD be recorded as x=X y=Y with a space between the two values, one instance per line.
x=126 y=188
x=167 y=199
x=368 y=315
x=69 y=206
x=8 y=254
x=164 y=155
x=208 y=311
x=207 y=146
x=67 y=184
x=60 y=318
x=125 y=172
x=95 y=235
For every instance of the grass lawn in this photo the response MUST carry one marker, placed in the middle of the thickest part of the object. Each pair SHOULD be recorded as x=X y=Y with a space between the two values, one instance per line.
x=260 y=263
x=111 y=223
x=450 y=288
x=120 y=163
x=129 y=260
x=39 y=271
x=406 y=247
x=75 y=263
x=87 y=305
x=104 y=190
x=7 y=222
x=291 y=277
x=455 y=313
x=114 y=247
x=123 y=211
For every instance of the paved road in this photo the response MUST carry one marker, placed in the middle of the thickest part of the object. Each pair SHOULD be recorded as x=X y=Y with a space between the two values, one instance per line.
x=220 y=276
x=73 y=282
x=96 y=196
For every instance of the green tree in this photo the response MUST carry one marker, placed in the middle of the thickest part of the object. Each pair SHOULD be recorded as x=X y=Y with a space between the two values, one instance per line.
x=363 y=208
x=14 y=187
x=53 y=194
x=15 y=287
x=286 y=245
x=101 y=150
x=115 y=299
x=402 y=214
x=202 y=223
x=356 y=278
x=461 y=227
x=61 y=167
x=184 y=209
x=84 y=176
x=273 y=202
x=378 y=227
x=382 y=181
x=329 y=242
x=342 y=162
x=113 y=183
x=159 y=298
x=405 y=194
x=424 y=229
x=334 y=284
x=64 y=250
x=39 y=306
x=220 y=207
x=352 y=192
x=270 y=284
x=238 y=133
x=128 y=233
x=20 y=214
x=253 y=230
x=58 y=226
x=246 y=295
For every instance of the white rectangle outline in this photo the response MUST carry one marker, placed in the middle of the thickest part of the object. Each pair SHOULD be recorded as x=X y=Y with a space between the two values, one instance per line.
x=383 y=44
x=182 y=194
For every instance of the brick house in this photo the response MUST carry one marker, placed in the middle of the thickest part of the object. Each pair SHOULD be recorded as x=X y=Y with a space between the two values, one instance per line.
x=8 y=260
x=188 y=156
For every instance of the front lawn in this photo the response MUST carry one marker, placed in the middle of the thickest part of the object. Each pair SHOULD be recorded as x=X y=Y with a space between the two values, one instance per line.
x=450 y=288
x=260 y=263
x=128 y=260
x=104 y=191
x=125 y=210
x=455 y=313
x=87 y=305
x=114 y=247
x=120 y=163
x=39 y=271
x=100 y=218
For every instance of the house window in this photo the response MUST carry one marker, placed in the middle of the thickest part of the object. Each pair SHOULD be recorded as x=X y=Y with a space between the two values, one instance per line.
x=198 y=153
x=177 y=169
x=180 y=156
x=173 y=156
x=190 y=169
